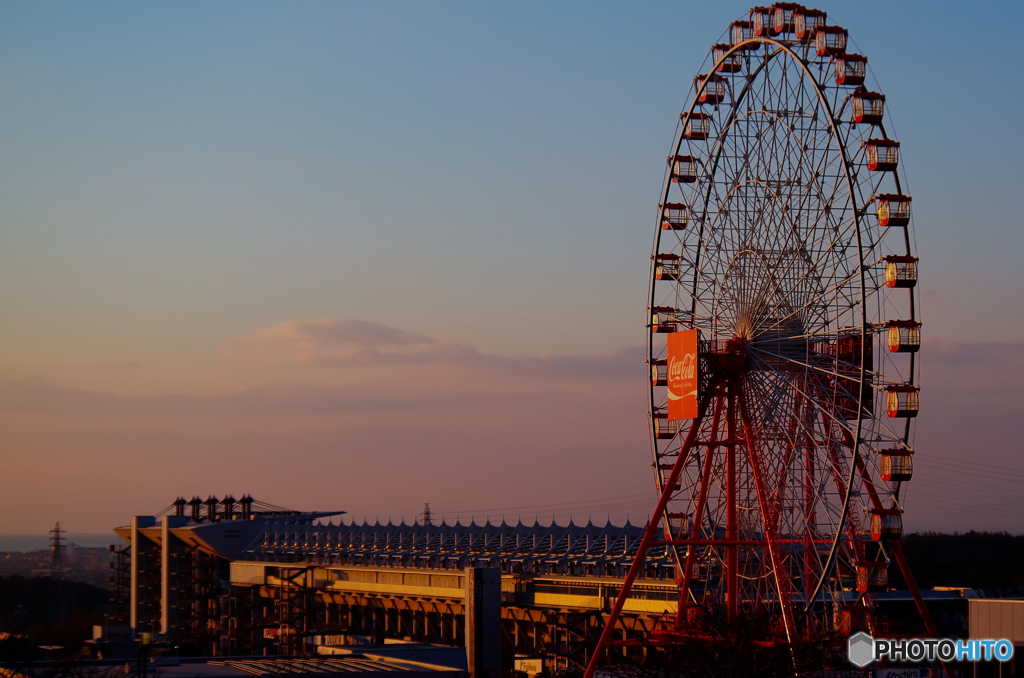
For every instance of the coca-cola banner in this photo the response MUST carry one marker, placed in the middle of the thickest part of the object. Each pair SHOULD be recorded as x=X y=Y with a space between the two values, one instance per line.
x=682 y=374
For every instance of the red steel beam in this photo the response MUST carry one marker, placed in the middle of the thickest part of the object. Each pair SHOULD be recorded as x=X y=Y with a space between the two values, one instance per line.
x=705 y=483
x=731 y=559
x=645 y=542
x=763 y=502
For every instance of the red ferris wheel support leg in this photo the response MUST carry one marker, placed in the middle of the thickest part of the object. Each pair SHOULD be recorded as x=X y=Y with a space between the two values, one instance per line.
x=757 y=470
x=731 y=551
x=702 y=499
x=645 y=542
x=810 y=495
x=791 y=449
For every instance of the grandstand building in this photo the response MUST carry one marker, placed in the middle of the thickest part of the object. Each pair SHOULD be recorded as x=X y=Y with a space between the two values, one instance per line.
x=235 y=578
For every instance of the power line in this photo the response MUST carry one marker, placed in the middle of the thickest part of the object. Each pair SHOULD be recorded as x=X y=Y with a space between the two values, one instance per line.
x=972 y=464
x=977 y=469
x=952 y=487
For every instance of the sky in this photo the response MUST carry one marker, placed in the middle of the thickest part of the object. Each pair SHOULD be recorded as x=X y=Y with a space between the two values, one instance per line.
x=364 y=256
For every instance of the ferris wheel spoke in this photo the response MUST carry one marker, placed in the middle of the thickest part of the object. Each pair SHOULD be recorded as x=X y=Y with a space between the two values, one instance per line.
x=807 y=393
x=806 y=431
x=782 y=297
x=801 y=434
x=790 y=435
x=826 y=203
x=775 y=557
x=835 y=286
x=832 y=320
x=760 y=353
x=876 y=381
x=830 y=462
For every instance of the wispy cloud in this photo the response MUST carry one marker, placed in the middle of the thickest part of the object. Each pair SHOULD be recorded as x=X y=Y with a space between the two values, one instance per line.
x=325 y=341
x=410 y=373
x=340 y=343
x=977 y=371
x=327 y=333
x=119 y=365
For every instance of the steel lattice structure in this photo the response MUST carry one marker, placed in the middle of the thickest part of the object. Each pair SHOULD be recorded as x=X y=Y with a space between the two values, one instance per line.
x=580 y=550
x=784 y=237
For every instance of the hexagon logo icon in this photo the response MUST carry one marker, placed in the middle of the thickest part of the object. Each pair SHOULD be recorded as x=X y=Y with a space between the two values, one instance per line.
x=861 y=649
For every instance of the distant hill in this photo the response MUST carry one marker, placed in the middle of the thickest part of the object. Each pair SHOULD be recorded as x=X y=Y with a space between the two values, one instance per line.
x=991 y=561
x=82 y=564
x=33 y=542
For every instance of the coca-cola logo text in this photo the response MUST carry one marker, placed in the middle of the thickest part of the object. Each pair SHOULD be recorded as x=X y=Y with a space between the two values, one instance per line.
x=681 y=371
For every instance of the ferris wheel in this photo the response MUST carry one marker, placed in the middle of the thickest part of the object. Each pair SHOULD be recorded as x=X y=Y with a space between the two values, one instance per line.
x=783 y=332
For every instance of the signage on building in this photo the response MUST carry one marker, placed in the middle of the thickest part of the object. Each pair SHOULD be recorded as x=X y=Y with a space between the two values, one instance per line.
x=683 y=374
x=530 y=667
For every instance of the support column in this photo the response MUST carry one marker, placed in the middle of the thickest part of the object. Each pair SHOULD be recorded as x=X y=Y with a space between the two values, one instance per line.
x=170 y=546
x=482 y=611
x=141 y=566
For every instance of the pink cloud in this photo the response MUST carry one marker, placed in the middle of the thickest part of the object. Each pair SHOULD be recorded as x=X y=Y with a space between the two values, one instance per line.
x=324 y=342
x=121 y=365
x=331 y=332
x=341 y=343
x=975 y=370
x=933 y=299
x=326 y=333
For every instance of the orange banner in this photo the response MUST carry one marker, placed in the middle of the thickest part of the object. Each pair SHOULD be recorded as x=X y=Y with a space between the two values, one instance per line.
x=682 y=374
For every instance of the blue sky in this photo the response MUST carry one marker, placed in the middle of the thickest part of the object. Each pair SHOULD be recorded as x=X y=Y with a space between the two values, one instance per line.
x=185 y=181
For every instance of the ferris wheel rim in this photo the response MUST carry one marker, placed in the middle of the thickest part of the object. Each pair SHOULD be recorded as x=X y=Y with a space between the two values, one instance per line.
x=786 y=50
x=865 y=335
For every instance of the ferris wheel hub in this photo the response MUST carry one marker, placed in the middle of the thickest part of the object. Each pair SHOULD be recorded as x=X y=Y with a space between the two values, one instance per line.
x=732 y=356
